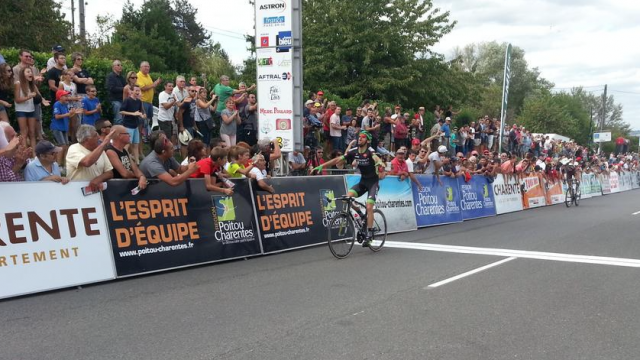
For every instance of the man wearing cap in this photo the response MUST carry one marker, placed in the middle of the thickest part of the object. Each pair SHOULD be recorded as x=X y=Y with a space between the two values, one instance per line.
x=44 y=167
x=336 y=129
x=400 y=168
x=436 y=160
x=123 y=165
x=446 y=132
x=86 y=160
x=297 y=163
x=52 y=61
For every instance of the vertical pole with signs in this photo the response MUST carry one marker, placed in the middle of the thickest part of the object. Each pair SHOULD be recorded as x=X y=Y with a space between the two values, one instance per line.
x=505 y=93
x=274 y=61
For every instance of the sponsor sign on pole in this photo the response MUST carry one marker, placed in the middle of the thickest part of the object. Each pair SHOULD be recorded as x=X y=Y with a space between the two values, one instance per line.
x=297 y=214
x=165 y=226
x=505 y=93
x=533 y=192
x=395 y=200
x=274 y=55
x=507 y=194
x=601 y=137
x=436 y=204
x=53 y=242
x=476 y=198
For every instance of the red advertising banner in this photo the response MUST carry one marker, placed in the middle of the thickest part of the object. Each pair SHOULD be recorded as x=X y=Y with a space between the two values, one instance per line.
x=533 y=194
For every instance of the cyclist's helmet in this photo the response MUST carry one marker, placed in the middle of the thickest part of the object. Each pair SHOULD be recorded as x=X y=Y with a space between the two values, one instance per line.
x=366 y=133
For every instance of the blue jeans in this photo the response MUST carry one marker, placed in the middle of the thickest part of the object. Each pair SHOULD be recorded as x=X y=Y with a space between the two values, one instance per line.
x=148 y=108
x=117 y=118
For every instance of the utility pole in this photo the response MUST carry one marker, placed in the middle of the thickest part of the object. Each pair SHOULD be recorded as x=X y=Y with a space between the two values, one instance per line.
x=73 y=21
x=82 y=29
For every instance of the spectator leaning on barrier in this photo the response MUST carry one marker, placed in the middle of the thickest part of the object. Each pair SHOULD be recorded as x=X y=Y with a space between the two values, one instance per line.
x=86 y=160
x=44 y=167
x=211 y=169
x=270 y=150
x=399 y=168
x=115 y=86
x=258 y=172
x=14 y=155
x=436 y=160
x=316 y=159
x=238 y=166
x=123 y=165
x=160 y=164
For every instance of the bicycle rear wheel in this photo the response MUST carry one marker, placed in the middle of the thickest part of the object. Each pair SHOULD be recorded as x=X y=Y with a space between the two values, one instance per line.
x=342 y=235
x=568 y=196
x=380 y=231
x=576 y=195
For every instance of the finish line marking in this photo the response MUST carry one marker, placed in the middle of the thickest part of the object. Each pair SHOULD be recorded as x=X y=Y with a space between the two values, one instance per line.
x=457 y=277
x=636 y=213
x=584 y=259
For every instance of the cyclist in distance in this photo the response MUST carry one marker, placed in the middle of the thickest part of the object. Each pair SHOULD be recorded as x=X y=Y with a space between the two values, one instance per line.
x=371 y=170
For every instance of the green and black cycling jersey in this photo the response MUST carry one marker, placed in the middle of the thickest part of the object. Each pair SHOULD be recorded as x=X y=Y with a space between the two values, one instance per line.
x=366 y=161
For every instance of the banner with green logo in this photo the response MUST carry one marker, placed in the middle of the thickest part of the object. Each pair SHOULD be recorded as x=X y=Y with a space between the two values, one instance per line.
x=165 y=227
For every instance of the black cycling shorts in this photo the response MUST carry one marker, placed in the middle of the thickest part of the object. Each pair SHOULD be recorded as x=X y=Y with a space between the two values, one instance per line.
x=370 y=186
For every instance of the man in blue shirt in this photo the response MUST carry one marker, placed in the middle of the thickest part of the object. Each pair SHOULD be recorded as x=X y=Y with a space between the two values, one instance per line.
x=45 y=167
x=446 y=129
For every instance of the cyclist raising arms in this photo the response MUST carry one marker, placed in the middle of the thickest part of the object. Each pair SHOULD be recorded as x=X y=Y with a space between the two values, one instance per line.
x=371 y=170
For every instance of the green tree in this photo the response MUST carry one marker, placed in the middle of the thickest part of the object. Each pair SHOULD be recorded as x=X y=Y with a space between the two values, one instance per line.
x=33 y=24
x=486 y=62
x=372 y=49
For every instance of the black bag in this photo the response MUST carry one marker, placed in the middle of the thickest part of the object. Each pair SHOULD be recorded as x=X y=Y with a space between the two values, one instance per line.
x=210 y=124
x=37 y=100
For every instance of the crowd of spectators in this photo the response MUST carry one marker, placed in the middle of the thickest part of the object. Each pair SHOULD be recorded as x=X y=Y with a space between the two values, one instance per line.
x=88 y=146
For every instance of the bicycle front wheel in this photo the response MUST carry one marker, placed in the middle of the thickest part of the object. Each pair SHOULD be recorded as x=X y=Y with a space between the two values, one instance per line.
x=568 y=196
x=379 y=232
x=342 y=235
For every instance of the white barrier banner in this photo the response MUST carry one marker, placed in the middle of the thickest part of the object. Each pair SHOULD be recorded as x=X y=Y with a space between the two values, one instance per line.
x=614 y=182
x=507 y=194
x=56 y=239
x=606 y=184
x=635 y=180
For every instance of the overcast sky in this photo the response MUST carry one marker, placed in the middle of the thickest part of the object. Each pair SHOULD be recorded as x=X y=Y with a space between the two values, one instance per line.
x=585 y=43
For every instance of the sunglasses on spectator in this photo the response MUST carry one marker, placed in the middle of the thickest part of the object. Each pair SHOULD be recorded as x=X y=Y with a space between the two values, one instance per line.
x=133 y=77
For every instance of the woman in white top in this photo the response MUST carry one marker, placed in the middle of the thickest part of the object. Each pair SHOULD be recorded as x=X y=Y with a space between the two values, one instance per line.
x=75 y=101
x=25 y=91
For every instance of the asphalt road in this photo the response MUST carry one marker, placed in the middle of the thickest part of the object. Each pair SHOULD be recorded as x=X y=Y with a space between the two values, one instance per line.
x=307 y=305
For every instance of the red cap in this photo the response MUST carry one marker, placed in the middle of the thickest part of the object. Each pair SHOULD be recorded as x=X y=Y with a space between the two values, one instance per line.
x=415 y=142
x=579 y=158
x=60 y=93
x=547 y=159
x=320 y=92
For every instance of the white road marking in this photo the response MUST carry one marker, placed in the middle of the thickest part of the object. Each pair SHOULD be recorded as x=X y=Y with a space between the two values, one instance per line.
x=636 y=213
x=457 y=277
x=585 y=259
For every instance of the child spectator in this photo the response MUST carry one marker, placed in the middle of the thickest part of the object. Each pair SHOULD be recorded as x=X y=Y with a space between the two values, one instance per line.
x=238 y=157
x=91 y=105
x=211 y=170
x=60 y=123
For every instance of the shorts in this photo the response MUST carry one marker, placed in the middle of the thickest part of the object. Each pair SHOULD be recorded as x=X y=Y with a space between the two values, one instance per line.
x=166 y=127
x=60 y=137
x=25 y=114
x=370 y=186
x=134 y=134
